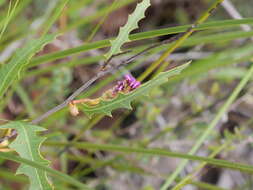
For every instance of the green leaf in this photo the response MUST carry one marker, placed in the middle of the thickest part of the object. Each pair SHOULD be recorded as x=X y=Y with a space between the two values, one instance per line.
x=27 y=145
x=132 y=23
x=10 y=72
x=59 y=175
x=123 y=100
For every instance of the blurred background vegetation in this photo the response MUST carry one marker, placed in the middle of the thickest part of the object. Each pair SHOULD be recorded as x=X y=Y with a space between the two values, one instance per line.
x=172 y=117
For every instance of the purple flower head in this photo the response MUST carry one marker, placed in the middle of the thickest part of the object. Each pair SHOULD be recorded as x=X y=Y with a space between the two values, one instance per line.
x=128 y=84
x=135 y=85
x=129 y=79
x=120 y=86
x=132 y=82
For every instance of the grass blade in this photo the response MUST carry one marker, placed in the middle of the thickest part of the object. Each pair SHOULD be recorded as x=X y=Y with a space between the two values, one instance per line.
x=154 y=152
x=57 y=12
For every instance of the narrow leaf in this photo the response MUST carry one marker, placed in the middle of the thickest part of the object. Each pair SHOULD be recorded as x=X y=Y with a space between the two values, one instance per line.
x=124 y=100
x=10 y=72
x=154 y=152
x=27 y=145
x=131 y=24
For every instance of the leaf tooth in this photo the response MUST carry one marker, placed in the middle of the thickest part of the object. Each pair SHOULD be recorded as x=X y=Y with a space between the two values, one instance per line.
x=89 y=114
x=127 y=105
x=20 y=169
x=107 y=112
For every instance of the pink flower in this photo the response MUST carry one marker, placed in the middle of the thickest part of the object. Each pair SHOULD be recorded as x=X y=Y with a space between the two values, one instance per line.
x=129 y=78
x=120 y=85
x=132 y=82
x=135 y=85
x=128 y=84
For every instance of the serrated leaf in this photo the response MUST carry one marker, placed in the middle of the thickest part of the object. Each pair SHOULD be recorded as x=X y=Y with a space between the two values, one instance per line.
x=124 y=100
x=10 y=72
x=27 y=145
x=132 y=23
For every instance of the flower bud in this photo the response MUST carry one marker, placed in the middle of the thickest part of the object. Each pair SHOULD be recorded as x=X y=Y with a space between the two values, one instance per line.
x=73 y=109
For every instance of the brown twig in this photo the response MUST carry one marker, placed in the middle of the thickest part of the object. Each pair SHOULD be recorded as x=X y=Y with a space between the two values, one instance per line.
x=103 y=67
x=132 y=58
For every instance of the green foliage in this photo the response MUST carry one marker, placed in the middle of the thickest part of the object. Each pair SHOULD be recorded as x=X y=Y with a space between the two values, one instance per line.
x=52 y=18
x=132 y=23
x=123 y=100
x=223 y=58
x=212 y=125
x=1 y=2
x=55 y=173
x=155 y=33
x=27 y=145
x=11 y=72
x=220 y=45
x=9 y=15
